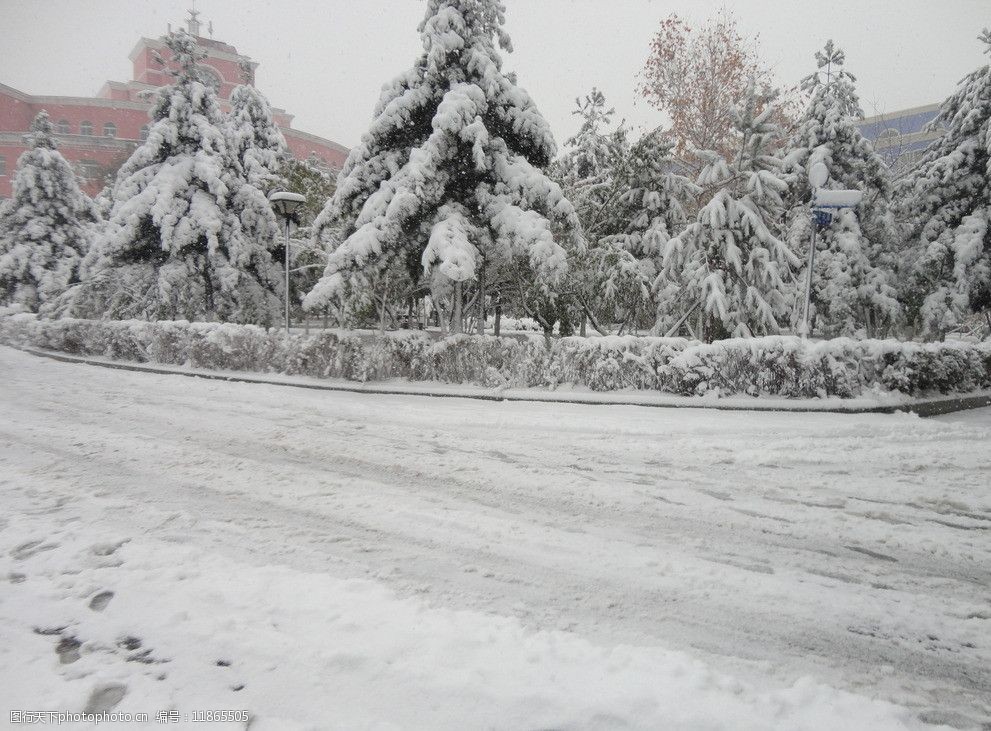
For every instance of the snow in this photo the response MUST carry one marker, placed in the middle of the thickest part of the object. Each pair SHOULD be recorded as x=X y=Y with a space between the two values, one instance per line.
x=837 y=198
x=397 y=562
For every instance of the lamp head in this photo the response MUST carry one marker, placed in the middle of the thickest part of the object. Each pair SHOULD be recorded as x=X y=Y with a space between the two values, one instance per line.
x=286 y=204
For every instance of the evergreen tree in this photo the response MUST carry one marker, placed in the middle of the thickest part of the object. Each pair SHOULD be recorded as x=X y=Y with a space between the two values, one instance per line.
x=255 y=139
x=448 y=177
x=630 y=202
x=45 y=227
x=311 y=179
x=728 y=262
x=188 y=236
x=852 y=285
x=585 y=170
x=949 y=202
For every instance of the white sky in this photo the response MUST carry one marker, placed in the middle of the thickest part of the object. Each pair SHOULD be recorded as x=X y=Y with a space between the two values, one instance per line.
x=325 y=60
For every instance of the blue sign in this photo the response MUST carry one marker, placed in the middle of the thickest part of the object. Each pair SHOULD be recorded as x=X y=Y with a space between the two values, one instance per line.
x=823 y=217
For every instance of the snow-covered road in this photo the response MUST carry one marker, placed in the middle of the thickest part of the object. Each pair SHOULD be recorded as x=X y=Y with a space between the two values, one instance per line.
x=852 y=549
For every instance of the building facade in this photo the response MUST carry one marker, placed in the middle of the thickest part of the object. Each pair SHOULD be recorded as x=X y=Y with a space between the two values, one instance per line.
x=97 y=134
x=902 y=137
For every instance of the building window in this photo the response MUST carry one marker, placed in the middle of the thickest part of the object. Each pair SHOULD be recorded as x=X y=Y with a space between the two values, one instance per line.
x=63 y=127
x=109 y=129
x=3 y=165
x=86 y=128
x=89 y=169
x=144 y=133
x=209 y=77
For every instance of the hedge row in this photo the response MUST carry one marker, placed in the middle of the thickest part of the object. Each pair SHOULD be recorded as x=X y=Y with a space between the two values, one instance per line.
x=777 y=366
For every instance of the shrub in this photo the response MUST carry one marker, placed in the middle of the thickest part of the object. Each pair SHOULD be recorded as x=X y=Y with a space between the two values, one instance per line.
x=776 y=365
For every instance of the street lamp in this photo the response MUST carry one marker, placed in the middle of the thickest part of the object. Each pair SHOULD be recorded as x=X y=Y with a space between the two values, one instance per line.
x=286 y=205
x=824 y=202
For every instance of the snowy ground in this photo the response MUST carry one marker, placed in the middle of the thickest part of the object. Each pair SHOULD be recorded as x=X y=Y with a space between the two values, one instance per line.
x=332 y=560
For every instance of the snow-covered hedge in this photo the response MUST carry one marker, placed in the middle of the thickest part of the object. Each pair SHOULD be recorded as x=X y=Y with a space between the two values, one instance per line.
x=778 y=365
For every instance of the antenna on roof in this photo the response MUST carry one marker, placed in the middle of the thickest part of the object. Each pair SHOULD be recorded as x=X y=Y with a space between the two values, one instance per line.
x=209 y=28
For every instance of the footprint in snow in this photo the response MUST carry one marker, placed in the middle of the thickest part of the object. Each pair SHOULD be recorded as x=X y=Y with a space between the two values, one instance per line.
x=129 y=643
x=106 y=549
x=68 y=650
x=105 y=698
x=100 y=601
x=29 y=549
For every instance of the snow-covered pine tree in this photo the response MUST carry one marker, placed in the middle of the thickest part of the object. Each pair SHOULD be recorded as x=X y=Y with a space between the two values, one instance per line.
x=853 y=283
x=255 y=138
x=448 y=177
x=260 y=152
x=653 y=196
x=605 y=280
x=188 y=237
x=728 y=262
x=651 y=207
x=586 y=168
x=949 y=202
x=630 y=201
x=45 y=227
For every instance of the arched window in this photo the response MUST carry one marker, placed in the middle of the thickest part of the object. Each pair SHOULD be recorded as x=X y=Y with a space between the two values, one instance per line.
x=109 y=129
x=889 y=133
x=63 y=127
x=144 y=133
x=86 y=128
x=209 y=77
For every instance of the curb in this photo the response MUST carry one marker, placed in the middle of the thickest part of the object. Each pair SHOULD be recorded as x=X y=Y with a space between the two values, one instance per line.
x=922 y=407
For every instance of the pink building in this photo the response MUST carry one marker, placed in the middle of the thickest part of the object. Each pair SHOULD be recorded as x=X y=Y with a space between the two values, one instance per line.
x=98 y=134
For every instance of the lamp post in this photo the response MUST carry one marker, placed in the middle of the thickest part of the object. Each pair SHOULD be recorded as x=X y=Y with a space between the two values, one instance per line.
x=285 y=205
x=824 y=202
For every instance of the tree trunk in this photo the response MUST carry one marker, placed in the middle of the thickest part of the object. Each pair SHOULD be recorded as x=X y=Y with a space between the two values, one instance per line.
x=591 y=318
x=442 y=322
x=481 y=299
x=457 y=324
x=385 y=291
x=210 y=315
x=584 y=326
x=498 y=313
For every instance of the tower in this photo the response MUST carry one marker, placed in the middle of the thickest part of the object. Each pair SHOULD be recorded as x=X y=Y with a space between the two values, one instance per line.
x=193 y=23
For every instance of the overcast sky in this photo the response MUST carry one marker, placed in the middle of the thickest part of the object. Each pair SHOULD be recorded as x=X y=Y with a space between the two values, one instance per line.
x=325 y=60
